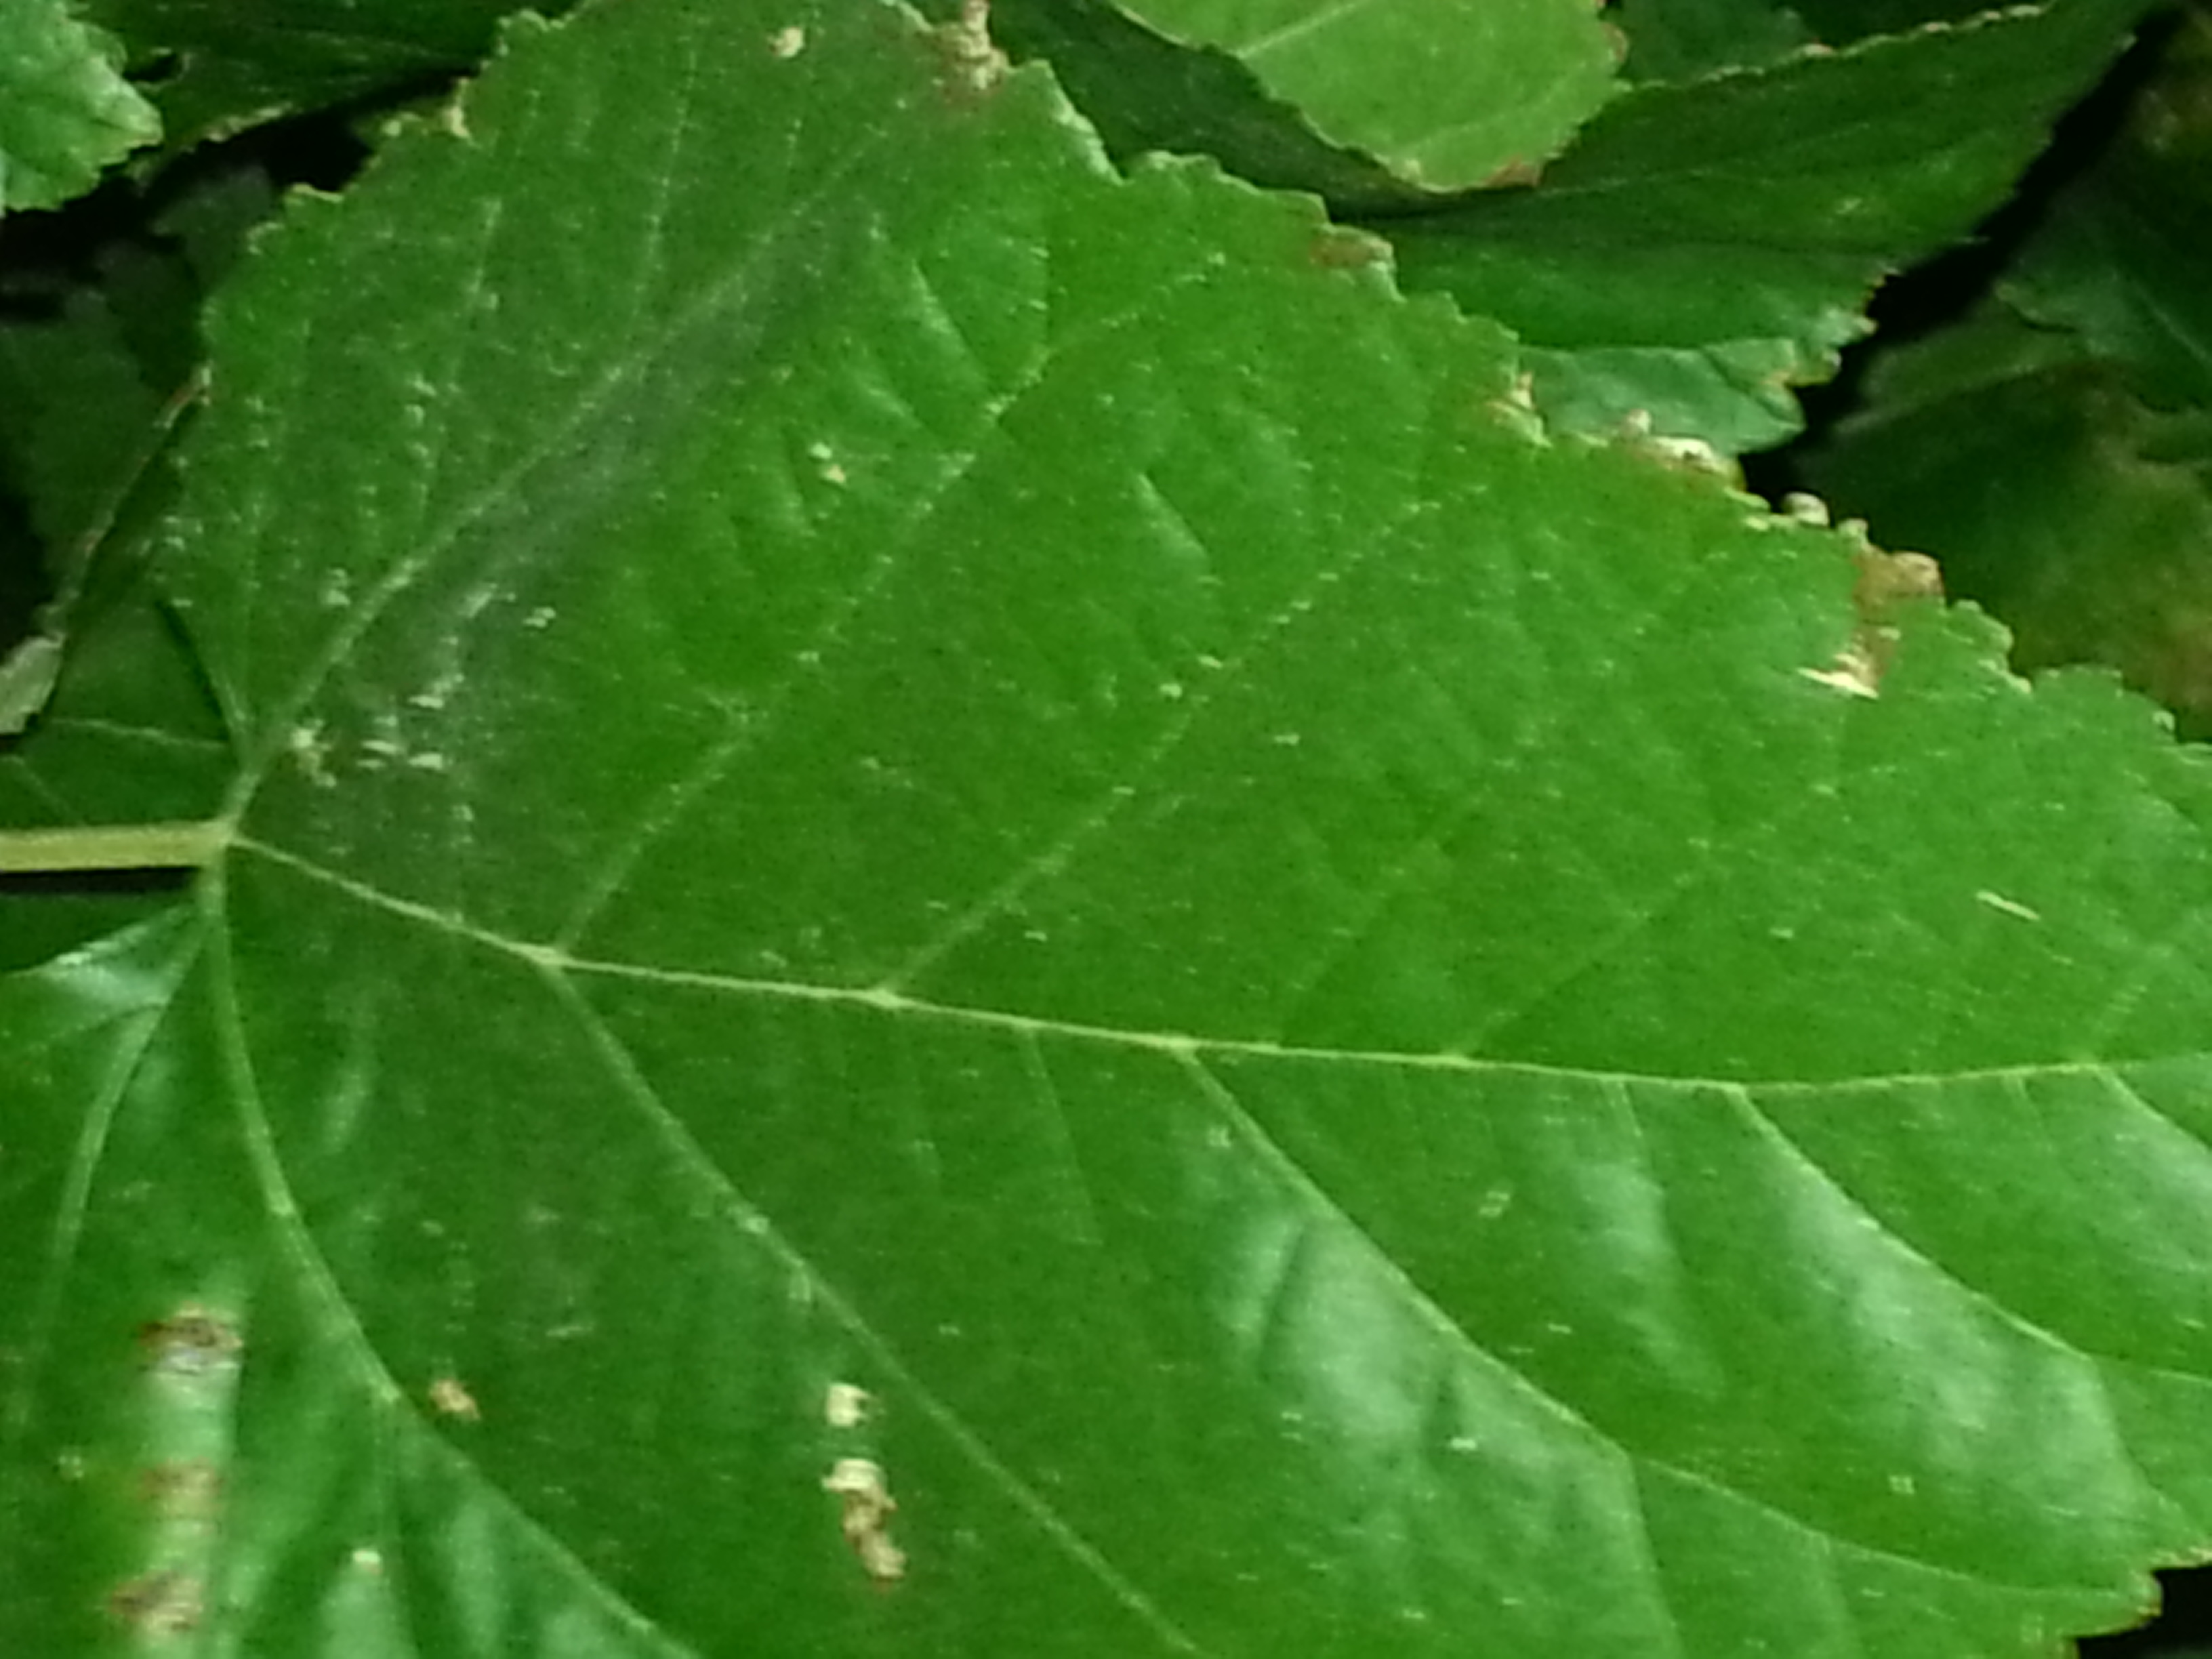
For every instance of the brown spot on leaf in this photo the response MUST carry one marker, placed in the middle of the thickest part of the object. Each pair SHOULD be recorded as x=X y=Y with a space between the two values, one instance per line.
x=182 y=1488
x=1885 y=580
x=189 y=1342
x=972 y=63
x=1335 y=248
x=867 y=1507
x=451 y=1399
x=164 y=1602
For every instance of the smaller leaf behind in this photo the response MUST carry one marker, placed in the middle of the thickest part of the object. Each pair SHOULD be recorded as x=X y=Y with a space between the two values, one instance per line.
x=1704 y=246
x=1447 y=94
x=65 y=112
x=2122 y=255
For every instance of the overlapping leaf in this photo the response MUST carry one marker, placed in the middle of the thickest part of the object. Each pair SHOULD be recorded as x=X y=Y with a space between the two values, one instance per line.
x=65 y=112
x=2120 y=255
x=227 y=63
x=1704 y=245
x=920 y=826
x=1447 y=94
x=2054 y=496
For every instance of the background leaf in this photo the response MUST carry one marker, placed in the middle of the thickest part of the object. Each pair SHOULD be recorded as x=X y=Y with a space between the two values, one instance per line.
x=2054 y=445
x=226 y=64
x=1704 y=246
x=904 y=802
x=2113 y=257
x=1447 y=94
x=65 y=113
x=1683 y=39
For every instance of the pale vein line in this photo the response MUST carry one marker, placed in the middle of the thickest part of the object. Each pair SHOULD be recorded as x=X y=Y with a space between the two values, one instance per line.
x=678 y=100
x=76 y=1194
x=1652 y=1570
x=879 y=1000
x=1294 y=1176
x=35 y=782
x=755 y=1223
x=1085 y=826
x=1387 y=887
x=121 y=729
x=600 y=889
x=1191 y=1052
x=258 y=1134
x=2041 y=1335
x=1455 y=1336
x=748 y=729
x=622 y=371
x=1696 y=873
x=1298 y=28
x=2111 y=1075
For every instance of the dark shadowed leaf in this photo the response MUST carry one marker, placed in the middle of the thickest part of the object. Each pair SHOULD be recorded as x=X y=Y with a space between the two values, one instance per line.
x=1446 y=93
x=2121 y=255
x=2052 y=495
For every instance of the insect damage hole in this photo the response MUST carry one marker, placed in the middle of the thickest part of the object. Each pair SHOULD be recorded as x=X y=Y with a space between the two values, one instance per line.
x=867 y=1506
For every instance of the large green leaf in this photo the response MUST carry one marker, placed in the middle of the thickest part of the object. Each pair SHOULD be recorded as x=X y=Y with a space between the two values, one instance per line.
x=920 y=825
x=65 y=113
x=1705 y=245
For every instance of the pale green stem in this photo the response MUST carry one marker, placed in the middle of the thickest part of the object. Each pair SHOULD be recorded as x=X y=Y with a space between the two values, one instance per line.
x=112 y=847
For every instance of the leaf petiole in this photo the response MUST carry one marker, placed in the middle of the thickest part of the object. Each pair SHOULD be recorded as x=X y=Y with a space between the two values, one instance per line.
x=183 y=845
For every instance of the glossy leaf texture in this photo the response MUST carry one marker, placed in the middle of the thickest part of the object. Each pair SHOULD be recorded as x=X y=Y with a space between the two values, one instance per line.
x=972 y=908
x=1707 y=245
x=65 y=111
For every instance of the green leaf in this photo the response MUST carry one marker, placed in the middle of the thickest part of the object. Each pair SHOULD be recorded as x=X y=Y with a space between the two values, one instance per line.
x=1683 y=39
x=76 y=418
x=1143 y=93
x=232 y=64
x=128 y=734
x=1447 y=94
x=921 y=825
x=1745 y=219
x=2053 y=495
x=65 y=113
x=2121 y=255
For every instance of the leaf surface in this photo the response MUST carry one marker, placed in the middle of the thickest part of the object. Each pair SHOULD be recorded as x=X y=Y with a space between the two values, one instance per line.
x=65 y=112
x=2120 y=256
x=916 y=817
